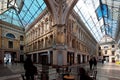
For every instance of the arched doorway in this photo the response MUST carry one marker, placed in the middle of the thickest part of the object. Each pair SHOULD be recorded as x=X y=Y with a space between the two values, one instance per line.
x=60 y=59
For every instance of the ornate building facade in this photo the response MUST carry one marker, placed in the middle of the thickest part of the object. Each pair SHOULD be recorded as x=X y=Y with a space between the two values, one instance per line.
x=108 y=50
x=57 y=37
x=49 y=43
x=11 y=42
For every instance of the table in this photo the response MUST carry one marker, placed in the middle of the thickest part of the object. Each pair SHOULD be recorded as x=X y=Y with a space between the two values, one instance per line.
x=69 y=77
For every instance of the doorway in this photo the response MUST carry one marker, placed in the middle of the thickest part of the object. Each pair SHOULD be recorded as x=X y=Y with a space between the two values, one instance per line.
x=106 y=58
x=78 y=59
x=70 y=58
x=7 y=57
x=44 y=59
x=60 y=59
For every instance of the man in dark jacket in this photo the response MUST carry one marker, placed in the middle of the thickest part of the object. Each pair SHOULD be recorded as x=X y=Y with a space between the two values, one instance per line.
x=84 y=75
x=95 y=62
x=30 y=69
x=91 y=63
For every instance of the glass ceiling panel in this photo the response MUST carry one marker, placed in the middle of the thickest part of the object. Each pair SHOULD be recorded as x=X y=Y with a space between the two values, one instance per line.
x=90 y=23
x=100 y=16
x=28 y=13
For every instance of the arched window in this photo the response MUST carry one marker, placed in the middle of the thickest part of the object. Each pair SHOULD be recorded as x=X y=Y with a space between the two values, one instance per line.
x=10 y=35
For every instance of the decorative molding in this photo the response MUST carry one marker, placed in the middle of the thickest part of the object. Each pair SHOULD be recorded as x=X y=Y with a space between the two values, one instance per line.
x=60 y=9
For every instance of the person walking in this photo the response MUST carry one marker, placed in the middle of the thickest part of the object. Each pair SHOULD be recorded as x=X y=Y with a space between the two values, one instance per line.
x=95 y=62
x=84 y=75
x=7 y=61
x=102 y=61
x=30 y=69
x=91 y=63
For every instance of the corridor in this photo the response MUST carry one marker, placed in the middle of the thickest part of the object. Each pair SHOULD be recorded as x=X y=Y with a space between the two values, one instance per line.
x=107 y=71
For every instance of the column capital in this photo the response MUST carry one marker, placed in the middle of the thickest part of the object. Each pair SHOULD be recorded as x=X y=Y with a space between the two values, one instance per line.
x=60 y=9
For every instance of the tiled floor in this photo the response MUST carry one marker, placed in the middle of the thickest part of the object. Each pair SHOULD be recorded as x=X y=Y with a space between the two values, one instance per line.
x=16 y=78
x=108 y=71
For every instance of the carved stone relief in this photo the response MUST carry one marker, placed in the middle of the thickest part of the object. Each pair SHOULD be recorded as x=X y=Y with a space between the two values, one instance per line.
x=60 y=9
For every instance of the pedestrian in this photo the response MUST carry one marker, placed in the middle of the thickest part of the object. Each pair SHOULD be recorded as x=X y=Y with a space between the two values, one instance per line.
x=7 y=61
x=84 y=75
x=95 y=62
x=30 y=69
x=102 y=61
x=12 y=61
x=91 y=63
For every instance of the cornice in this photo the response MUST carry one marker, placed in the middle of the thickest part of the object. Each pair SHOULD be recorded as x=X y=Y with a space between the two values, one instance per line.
x=44 y=12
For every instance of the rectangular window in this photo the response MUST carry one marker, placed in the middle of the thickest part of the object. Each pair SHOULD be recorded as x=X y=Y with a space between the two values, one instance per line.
x=21 y=38
x=99 y=48
x=113 y=46
x=99 y=53
x=105 y=51
x=102 y=11
x=98 y=13
x=105 y=46
x=21 y=47
x=113 y=53
x=10 y=44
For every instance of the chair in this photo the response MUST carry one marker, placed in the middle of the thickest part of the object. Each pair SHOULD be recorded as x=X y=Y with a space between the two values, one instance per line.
x=94 y=74
x=23 y=76
x=59 y=74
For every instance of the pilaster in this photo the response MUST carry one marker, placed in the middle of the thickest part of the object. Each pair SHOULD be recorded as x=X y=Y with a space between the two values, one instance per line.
x=60 y=10
x=1 y=56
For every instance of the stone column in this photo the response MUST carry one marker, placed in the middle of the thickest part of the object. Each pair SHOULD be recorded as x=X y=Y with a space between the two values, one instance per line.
x=75 y=58
x=37 y=56
x=31 y=56
x=57 y=53
x=64 y=57
x=60 y=10
x=48 y=57
x=2 y=56
x=54 y=57
x=17 y=55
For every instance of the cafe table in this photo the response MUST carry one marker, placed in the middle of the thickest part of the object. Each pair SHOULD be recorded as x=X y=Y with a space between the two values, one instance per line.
x=69 y=77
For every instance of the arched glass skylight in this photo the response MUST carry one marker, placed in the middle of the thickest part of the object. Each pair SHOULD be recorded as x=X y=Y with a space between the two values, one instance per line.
x=27 y=14
x=100 y=16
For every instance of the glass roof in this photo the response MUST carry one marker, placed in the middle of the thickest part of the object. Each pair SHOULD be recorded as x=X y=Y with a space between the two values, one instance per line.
x=20 y=12
x=100 y=16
